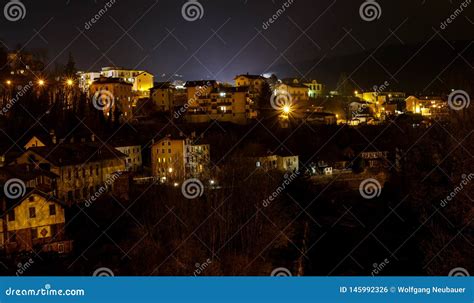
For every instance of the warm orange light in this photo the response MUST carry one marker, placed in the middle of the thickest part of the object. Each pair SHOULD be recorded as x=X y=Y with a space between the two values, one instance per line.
x=287 y=109
x=9 y=82
x=40 y=82
x=69 y=82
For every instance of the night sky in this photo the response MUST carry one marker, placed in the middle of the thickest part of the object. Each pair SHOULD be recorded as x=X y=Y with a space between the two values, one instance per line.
x=225 y=42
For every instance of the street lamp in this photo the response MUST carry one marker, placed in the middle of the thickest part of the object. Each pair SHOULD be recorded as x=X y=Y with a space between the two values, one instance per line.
x=41 y=82
x=69 y=82
x=286 y=109
x=9 y=82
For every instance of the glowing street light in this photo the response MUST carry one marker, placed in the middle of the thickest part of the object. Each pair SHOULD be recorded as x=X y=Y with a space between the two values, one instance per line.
x=69 y=82
x=9 y=82
x=286 y=109
x=41 y=82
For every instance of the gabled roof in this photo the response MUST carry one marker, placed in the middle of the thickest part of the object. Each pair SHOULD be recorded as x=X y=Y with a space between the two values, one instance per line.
x=77 y=153
x=25 y=172
x=12 y=203
x=253 y=77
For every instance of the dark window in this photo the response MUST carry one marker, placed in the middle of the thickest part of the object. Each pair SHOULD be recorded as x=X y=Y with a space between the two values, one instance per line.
x=11 y=215
x=52 y=210
x=34 y=233
x=31 y=199
x=32 y=212
x=54 y=230
x=69 y=196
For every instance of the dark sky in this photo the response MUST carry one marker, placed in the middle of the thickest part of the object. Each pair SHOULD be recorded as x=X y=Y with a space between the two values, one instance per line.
x=194 y=51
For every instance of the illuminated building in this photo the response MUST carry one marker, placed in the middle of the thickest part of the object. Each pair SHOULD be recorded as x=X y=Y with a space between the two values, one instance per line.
x=429 y=106
x=34 y=222
x=293 y=87
x=225 y=104
x=116 y=97
x=255 y=83
x=141 y=81
x=179 y=158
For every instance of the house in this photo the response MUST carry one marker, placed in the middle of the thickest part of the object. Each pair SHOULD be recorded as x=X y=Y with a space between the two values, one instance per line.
x=224 y=104
x=133 y=161
x=31 y=176
x=34 y=222
x=427 y=106
x=293 y=87
x=141 y=81
x=255 y=83
x=197 y=89
x=163 y=96
x=316 y=89
x=113 y=96
x=287 y=163
x=83 y=168
x=180 y=158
